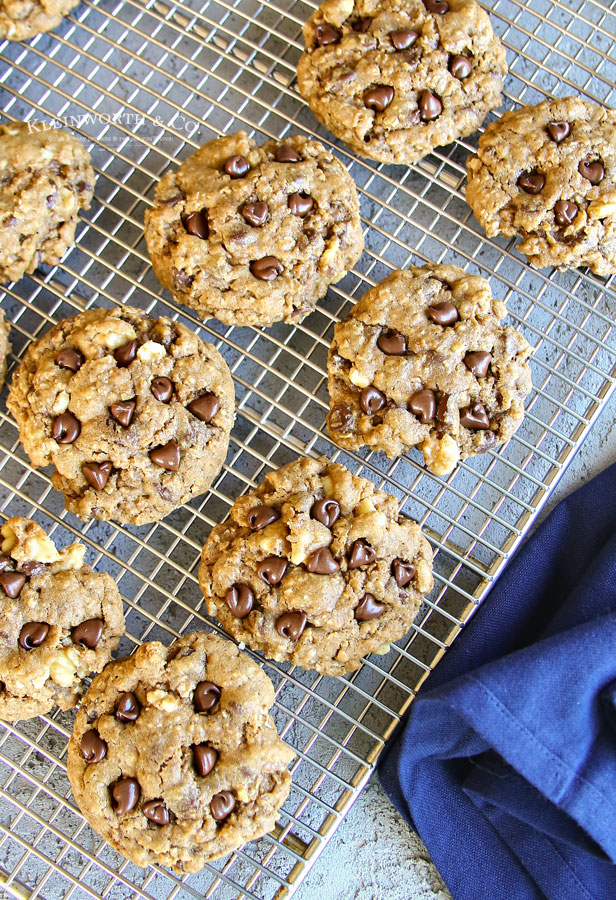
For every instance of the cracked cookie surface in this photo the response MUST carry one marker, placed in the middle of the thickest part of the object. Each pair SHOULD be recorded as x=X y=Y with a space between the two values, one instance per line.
x=254 y=234
x=397 y=78
x=60 y=621
x=22 y=19
x=134 y=413
x=45 y=179
x=547 y=174
x=423 y=359
x=316 y=567
x=174 y=758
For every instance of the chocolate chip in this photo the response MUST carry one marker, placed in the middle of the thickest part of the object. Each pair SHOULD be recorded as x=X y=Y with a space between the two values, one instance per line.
x=340 y=418
x=266 y=269
x=206 y=696
x=181 y=279
x=204 y=407
x=127 y=708
x=430 y=107
x=403 y=572
x=204 y=759
x=402 y=40
x=460 y=67
x=32 y=567
x=362 y=554
x=255 y=213
x=260 y=516
x=423 y=404
x=222 y=805
x=271 y=570
x=157 y=812
x=92 y=747
x=126 y=354
x=125 y=795
x=88 y=634
x=531 y=182
x=291 y=625
x=325 y=35
x=167 y=456
x=32 y=634
x=327 y=512
x=322 y=562
x=438 y=7
x=558 y=131
x=123 y=412
x=362 y=25
x=592 y=171
x=12 y=583
x=474 y=417
x=478 y=362
x=196 y=224
x=97 y=474
x=300 y=204
x=392 y=343
x=240 y=600
x=441 y=409
x=368 y=608
x=162 y=388
x=372 y=400
x=65 y=428
x=236 y=166
x=286 y=153
x=444 y=313
x=69 y=358
x=378 y=98
x=565 y=212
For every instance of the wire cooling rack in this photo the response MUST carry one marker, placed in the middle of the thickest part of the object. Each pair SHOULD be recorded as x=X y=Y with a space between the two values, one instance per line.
x=144 y=82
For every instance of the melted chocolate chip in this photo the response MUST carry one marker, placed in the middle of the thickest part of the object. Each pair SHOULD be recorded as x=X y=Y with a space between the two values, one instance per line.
x=33 y=634
x=362 y=25
x=204 y=407
x=438 y=7
x=368 y=608
x=157 y=812
x=266 y=269
x=127 y=708
x=69 y=358
x=478 y=362
x=97 y=474
x=392 y=343
x=327 y=512
x=340 y=418
x=372 y=400
x=125 y=795
x=123 y=412
x=441 y=409
x=402 y=40
x=12 y=583
x=286 y=153
x=291 y=625
x=5 y=562
x=204 y=759
x=362 y=554
x=531 y=182
x=196 y=224
x=255 y=213
x=66 y=428
x=322 y=562
x=88 y=634
x=32 y=567
x=260 y=516
x=423 y=404
x=236 y=166
x=300 y=204
x=206 y=696
x=326 y=34
x=592 y=171
x=558 y=131
x=403 y=572
x=430 y=107
x=444 y=313
x=378 y=98
x=565 y=212
x=271 y=570
x=162 y=388
x=126 y=354
x=92 y=747
x=474 y=417
x=181 y=279
x=222 y=805
x=167 y=456
x=240 y=600
x=460 y=66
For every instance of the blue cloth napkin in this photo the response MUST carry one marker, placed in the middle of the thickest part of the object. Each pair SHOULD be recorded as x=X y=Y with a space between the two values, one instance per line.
x=506 y=765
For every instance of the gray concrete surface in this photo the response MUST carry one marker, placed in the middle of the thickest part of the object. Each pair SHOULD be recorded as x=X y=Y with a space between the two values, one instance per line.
x=374 y=855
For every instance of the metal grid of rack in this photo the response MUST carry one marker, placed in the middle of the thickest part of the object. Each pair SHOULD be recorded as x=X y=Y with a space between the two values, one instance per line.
x=144 y=82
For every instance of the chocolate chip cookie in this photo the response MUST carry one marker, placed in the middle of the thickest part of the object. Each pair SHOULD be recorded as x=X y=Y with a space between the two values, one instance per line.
x=397 y=78
x=22 y=19
x=60 y=621
x=133 y=412
x=423 y=359
x=254 y=235
x=316 y=567
x=174 y=758
x=45 y=179
x=547 y=173
x=5 y=346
